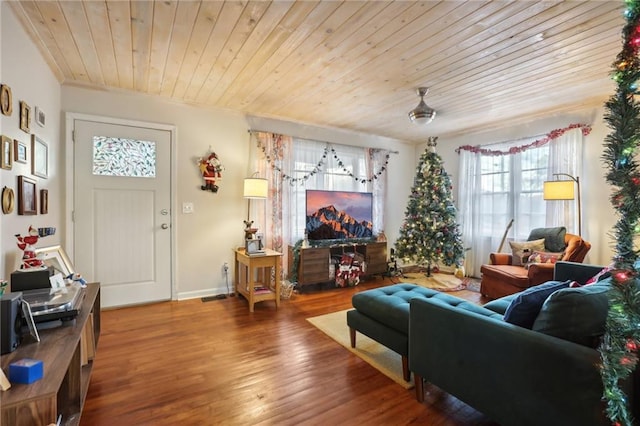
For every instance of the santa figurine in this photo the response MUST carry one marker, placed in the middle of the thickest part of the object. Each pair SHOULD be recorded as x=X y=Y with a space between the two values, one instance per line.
x=211 y=169
x=26 y=244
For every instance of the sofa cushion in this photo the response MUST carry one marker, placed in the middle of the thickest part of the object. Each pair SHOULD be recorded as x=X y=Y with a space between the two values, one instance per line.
x=576 y=314
x=390 y=304
x=525 y=307
x=500 y=305
x=553 y=237
x=544 y=257
x=523 y=249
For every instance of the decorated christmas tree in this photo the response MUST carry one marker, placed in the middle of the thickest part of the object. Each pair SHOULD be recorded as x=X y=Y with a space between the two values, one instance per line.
x=619 y=348
x=430 y=233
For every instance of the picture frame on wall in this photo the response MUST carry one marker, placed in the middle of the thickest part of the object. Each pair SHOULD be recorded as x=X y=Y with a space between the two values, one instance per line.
x=20 y=151
x=44 y=201
x=253 y=246
x=25 y=117
x=6 y=145
x=40 y=117
x=39 y=157
x=27 y=196
x=8 y=200
x=6 y=100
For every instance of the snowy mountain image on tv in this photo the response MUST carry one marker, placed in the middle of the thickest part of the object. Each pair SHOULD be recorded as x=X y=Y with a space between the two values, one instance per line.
x=338 y=215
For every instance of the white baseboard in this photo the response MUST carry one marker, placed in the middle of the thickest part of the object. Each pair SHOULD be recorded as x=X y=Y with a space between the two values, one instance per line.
x=186 y=295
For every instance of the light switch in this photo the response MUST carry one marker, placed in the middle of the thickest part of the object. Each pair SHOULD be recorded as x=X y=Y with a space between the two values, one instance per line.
x=187 y=208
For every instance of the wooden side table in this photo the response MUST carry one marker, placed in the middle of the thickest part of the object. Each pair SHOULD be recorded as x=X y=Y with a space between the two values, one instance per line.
x=246 y=269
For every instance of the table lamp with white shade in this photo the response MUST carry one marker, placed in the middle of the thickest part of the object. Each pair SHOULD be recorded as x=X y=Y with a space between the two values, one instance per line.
x=255 y=188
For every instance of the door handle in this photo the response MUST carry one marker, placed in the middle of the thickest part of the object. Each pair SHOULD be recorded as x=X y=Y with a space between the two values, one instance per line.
x=164 y=226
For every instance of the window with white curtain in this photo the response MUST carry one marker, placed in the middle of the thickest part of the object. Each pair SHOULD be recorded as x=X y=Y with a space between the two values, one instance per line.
x=501 y=182
x=511 y=186
x=333 y=176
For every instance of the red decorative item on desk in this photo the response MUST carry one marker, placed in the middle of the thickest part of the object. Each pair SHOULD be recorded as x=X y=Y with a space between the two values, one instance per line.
x=26 y=244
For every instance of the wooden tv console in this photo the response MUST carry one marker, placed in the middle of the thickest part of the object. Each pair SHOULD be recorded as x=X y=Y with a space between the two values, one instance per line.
x=63 y=351
x=313 y=267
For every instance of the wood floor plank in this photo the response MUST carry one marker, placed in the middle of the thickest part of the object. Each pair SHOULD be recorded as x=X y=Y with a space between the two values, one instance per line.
x=211 y=363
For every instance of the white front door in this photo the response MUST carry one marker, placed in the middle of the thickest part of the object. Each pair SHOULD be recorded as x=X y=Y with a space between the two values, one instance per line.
x=122 y=214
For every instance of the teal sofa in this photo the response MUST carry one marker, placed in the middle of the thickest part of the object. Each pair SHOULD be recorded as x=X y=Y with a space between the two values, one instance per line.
x=546 y=375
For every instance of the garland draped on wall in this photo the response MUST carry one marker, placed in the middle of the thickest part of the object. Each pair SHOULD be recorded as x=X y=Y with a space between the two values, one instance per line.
x=328 y=149
x=554 y=134
x=621 y=342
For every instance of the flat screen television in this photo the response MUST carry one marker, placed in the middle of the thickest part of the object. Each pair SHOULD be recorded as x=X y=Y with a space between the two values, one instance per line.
x=338 y=215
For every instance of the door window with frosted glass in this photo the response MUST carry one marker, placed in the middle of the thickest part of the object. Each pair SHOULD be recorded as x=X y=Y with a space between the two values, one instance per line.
x=123 y=157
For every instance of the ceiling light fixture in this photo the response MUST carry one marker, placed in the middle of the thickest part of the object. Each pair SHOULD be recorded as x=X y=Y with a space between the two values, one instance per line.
x=423 y=113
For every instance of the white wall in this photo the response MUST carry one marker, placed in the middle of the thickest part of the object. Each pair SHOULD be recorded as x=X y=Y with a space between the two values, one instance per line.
x=23 y=69
x=206 y=237
x=598 y=216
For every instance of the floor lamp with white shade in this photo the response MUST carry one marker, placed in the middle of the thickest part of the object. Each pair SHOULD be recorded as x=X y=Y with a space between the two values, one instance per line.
x=564 y=190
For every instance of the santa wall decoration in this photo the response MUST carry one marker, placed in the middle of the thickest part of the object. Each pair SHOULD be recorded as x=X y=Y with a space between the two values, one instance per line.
x=211 y=169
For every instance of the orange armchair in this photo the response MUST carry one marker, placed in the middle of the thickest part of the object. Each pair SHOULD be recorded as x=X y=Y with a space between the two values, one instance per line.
x=501 y=278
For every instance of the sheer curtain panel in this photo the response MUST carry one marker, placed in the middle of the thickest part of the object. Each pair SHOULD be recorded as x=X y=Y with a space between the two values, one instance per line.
x=505 y=181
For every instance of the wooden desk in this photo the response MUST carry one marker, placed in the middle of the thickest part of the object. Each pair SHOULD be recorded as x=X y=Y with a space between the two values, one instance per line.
x=64 y=386
x=245 y=274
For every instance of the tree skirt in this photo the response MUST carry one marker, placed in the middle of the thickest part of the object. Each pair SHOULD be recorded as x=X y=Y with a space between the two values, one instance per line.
x=437 y=281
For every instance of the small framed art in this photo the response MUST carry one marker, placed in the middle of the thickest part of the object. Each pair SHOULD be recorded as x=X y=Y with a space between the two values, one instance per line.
x=27 y=196
x=40 y=117
x=7 y=152
x=25 y=117
x=253 y=246
x=44 y=201
x=19 y=151
x=6 y=100
x=39 y=157
x=8 y=200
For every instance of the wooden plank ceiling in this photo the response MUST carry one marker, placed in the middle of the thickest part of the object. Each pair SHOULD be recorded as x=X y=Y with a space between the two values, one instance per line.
x=344 y=64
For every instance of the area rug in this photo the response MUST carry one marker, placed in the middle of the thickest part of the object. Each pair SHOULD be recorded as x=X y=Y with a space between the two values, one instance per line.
x=472 y=284
x=437 y=281
x=378 y=356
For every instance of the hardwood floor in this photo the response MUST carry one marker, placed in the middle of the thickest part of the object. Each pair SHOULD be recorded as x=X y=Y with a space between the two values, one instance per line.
x=208 y=363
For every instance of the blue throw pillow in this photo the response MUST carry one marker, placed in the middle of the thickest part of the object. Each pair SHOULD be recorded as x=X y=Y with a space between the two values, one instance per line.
x=524 y=309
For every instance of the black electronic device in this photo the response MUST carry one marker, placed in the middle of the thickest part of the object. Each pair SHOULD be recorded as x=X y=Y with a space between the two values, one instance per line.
x=31 y=279
x=338 y=215
x=49 y=304
x=10 y=321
